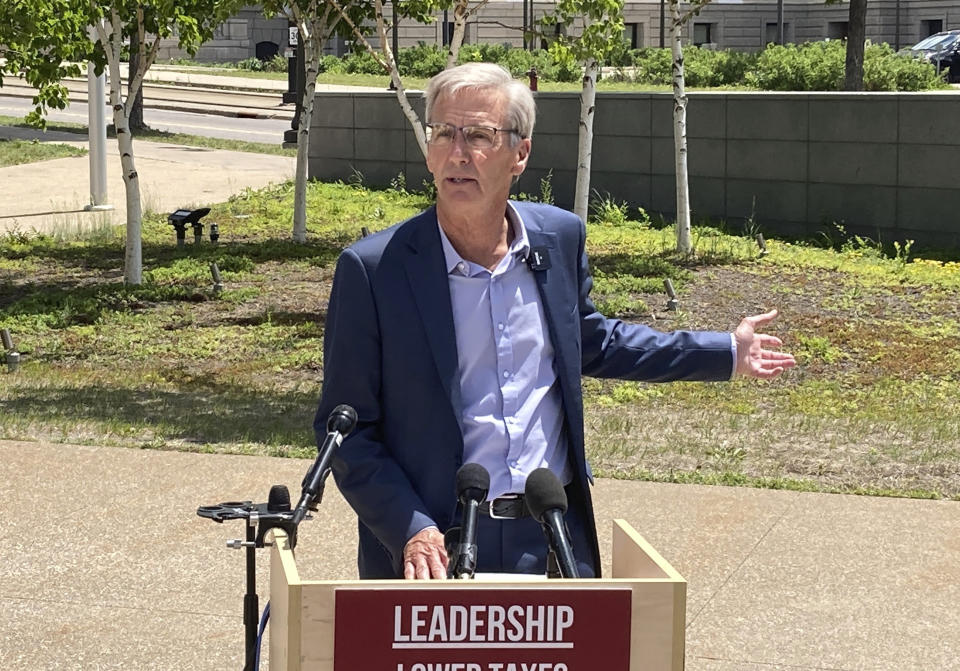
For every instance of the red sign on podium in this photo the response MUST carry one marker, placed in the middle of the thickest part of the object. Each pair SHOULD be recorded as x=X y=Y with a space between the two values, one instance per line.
x=482 y=629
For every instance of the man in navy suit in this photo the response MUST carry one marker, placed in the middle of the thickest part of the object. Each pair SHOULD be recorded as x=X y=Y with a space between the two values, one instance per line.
x=461 y=336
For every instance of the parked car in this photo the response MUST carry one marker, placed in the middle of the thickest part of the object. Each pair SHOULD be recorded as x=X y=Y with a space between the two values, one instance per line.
x=943 y=51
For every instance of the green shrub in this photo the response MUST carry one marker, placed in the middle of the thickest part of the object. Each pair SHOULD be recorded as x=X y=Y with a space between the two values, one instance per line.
x=885 y=70
x=708 y=67
x=276 y=64
x=423 y=60
x=331 y=63
x=362 y=63
x=819 y=66
x=253 y=64
x=652 y=66
x=483 y=53
x=814 y=66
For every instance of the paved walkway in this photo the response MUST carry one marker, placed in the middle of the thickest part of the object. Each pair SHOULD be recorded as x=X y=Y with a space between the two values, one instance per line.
x=105 y=565
x=50 y=196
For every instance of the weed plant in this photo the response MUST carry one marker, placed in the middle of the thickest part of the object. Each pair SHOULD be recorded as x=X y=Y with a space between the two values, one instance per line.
x=872 y=408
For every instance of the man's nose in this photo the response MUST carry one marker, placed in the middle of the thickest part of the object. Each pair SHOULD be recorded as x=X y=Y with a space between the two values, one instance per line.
x=459 y=149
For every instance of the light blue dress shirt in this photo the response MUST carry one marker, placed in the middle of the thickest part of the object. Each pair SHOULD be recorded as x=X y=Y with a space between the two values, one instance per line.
x=512 y=412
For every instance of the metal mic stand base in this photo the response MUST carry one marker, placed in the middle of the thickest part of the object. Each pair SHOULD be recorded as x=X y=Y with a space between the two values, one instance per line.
x=259 y=520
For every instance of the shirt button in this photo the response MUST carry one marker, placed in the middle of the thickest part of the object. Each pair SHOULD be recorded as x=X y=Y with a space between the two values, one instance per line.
x=500 y=326
x=462 y=268
x=506 y=374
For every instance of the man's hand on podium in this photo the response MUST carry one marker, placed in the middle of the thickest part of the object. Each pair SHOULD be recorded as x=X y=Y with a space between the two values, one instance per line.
x=425 y=556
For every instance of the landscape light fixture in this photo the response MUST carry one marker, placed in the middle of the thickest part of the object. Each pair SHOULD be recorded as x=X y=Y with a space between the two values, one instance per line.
x=183 y=218
x=217 y=280
x=13 y=357
x=673 y=304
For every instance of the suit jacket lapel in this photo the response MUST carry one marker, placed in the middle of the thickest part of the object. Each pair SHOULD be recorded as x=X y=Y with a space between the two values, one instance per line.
x=426 y=270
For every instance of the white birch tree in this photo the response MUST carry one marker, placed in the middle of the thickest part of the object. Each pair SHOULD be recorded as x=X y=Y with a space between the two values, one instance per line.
x=600 y=37
x=316 y=21
x=58 y=29
x=679 y=19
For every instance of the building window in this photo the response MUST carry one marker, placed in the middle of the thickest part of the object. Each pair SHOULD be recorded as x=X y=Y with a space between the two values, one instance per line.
x=704 y=33
x=837 y=30
x=770 y=33
x=930 y=27
x=633 y=35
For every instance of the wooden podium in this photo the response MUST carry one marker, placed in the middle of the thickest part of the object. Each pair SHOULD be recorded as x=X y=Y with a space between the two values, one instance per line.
x=634 y=620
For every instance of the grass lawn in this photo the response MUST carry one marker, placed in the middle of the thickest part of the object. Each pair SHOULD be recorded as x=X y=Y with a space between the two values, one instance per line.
x=18 y=152
x=873 y=407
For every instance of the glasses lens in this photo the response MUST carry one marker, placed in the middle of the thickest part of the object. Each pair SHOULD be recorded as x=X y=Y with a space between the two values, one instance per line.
x=479 y=137
x=440 y=133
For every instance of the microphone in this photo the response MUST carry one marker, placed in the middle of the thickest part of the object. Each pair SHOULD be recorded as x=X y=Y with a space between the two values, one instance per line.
x=279 y=499
x=339 y=424
x=547 y=502
x=473 y=483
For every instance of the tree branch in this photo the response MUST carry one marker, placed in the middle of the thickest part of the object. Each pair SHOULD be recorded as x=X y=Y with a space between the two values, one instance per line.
x=359 y=35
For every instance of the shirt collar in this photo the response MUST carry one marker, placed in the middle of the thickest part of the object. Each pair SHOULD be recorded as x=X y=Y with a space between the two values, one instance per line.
x=519 y=248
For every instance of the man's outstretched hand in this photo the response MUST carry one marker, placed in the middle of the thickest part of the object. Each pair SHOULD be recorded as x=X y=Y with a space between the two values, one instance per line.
x=755 y=358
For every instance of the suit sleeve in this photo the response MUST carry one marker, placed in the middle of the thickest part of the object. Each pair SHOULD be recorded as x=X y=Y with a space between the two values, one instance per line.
x=371 y=480
x=611 y=348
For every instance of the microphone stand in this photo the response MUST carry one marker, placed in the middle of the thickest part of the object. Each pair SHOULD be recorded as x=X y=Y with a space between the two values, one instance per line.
x=260 y=518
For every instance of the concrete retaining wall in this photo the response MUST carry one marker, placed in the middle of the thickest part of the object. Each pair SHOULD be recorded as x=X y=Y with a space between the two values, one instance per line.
x=882 y=164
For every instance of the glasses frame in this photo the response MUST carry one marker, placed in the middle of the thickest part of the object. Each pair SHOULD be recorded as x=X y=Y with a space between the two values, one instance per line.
x=461 y=130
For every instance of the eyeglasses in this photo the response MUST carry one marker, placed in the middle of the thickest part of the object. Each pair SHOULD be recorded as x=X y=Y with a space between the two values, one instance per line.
x=476 y=137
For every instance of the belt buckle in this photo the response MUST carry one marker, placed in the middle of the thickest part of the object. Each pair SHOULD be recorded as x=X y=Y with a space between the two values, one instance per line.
x=505 y=497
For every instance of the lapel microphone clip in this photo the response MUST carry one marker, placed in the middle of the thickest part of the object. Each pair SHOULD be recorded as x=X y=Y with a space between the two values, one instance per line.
x=538 y=259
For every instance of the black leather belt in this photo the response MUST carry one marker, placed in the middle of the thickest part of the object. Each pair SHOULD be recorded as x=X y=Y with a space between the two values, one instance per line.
x=506 y=507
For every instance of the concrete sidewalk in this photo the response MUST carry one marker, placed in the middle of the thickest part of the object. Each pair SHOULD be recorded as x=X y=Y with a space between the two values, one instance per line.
x=50 y=196
x=105 y=565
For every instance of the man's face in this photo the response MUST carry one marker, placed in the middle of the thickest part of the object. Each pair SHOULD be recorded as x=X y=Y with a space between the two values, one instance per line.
x=466 y=175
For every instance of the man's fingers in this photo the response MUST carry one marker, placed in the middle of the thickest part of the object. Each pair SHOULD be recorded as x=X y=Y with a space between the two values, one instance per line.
x=757 y=321
x=769 y=340
x=775 y=355
x=437 y=569
x=767 y=373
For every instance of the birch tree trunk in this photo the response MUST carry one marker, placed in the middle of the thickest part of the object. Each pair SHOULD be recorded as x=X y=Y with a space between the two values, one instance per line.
x=459 y=30
x=588 y=96
x=133 y=253
x=311 y=34
x=684 y=245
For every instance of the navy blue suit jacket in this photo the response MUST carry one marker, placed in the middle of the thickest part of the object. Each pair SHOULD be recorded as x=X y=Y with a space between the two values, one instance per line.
x=390 y=352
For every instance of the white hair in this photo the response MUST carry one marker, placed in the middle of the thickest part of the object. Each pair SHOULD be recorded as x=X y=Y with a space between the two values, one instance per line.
x=521 y=108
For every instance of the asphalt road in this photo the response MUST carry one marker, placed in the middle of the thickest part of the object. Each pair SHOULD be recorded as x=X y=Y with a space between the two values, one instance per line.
x=207 y=125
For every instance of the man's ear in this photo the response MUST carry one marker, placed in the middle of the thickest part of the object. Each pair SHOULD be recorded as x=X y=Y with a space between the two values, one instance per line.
x=523 y=154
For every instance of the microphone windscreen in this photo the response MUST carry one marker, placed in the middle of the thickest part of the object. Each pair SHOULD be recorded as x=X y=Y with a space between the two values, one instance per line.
x=544 y=492
x=472 y=476
x=342 y=420
x=279 y=499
